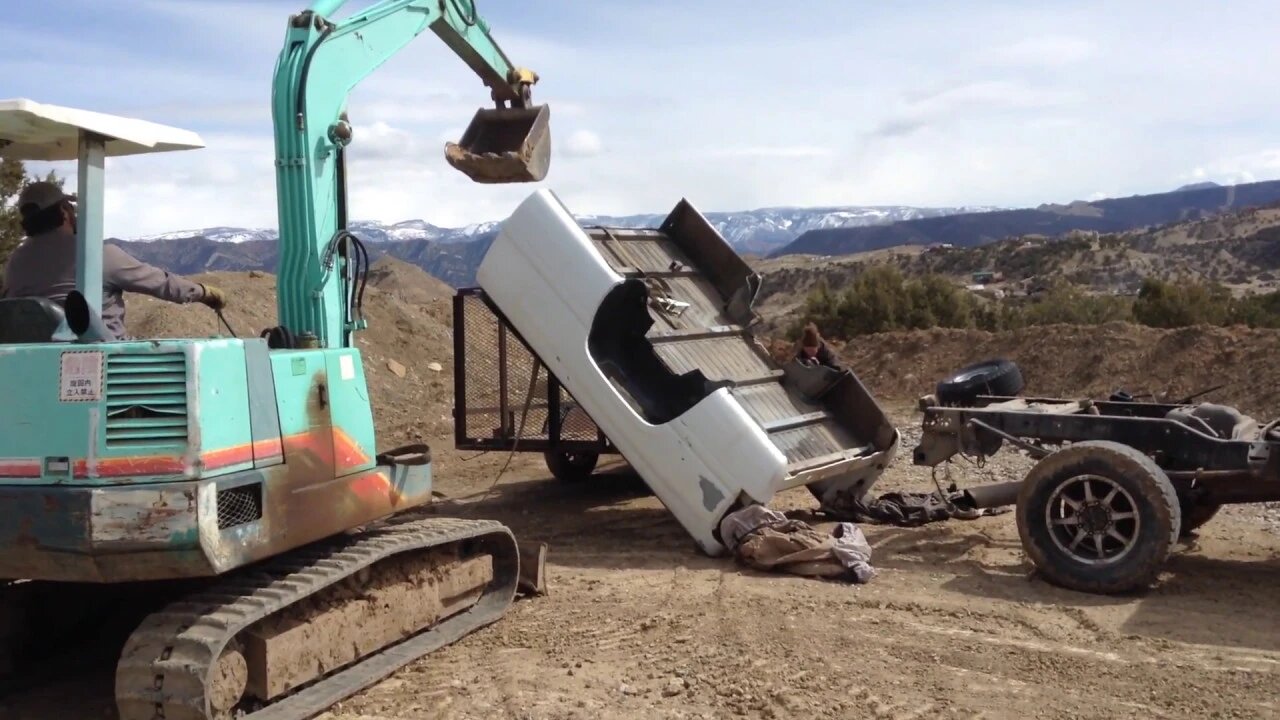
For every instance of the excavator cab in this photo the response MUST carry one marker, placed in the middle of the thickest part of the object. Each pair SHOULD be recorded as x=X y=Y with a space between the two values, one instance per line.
x=504 y=145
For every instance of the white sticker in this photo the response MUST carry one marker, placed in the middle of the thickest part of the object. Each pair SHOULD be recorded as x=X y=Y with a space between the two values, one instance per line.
x=347 y=366
x=81 y=377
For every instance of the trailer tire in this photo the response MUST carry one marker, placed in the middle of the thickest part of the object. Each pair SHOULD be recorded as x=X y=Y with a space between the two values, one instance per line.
x=571 y=467
x=1123 y=503
x=989 y=377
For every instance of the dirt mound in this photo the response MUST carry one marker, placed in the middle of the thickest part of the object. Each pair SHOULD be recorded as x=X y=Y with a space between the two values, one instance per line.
x=409 y=331
x=410 y=282
x=1075 y=360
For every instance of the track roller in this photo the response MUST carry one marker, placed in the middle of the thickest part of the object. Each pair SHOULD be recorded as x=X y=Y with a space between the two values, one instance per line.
x=287 y=638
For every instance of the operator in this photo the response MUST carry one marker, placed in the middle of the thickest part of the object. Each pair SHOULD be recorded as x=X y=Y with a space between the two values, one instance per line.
x=813 y=349
x=44 y=265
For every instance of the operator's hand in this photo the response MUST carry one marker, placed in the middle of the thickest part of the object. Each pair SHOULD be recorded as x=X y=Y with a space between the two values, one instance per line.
x=214 y=297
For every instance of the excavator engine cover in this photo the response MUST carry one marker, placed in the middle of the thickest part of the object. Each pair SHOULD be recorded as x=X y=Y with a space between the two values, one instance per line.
x=504 y=145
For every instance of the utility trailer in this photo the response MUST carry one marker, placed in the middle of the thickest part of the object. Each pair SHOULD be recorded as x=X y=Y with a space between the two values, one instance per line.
x=493 y=408
x=1117 y=482
x=648 y=331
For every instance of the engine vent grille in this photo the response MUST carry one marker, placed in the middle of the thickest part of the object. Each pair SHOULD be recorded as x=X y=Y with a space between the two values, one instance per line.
x=147 y=401
x=239 y=505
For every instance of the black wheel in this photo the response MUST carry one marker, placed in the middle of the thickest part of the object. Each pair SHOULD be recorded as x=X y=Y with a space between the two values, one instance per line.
x=568 y=466
x=1195 y=514
x=989 y=377
x=1098 y=517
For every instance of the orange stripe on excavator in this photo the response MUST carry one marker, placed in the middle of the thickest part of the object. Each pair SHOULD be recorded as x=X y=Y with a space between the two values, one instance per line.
x=342 y=448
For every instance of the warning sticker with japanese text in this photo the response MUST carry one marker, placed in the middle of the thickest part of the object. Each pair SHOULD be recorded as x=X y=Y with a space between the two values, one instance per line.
x=81 y=377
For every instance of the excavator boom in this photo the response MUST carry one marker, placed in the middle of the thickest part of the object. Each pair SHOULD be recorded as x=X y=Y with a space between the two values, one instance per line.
x=323 y=59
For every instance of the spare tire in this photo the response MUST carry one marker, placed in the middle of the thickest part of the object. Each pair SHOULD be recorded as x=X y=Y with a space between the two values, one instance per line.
x=989 y=377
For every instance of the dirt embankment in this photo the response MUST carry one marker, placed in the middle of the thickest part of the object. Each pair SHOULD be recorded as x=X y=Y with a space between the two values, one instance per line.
x=1069 y=360
x=408 y=337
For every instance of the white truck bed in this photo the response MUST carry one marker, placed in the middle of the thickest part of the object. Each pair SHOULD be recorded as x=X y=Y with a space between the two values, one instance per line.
x=649 y=330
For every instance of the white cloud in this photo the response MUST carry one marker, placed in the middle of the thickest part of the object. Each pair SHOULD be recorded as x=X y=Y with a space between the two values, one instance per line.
x=776 y=151
x=583 y=143
x=1244 y=168
x=1050 y=50
x=643 y=117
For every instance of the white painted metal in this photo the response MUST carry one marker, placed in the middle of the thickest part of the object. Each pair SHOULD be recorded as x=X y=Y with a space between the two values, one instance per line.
x=38 y=131
x=546 y=275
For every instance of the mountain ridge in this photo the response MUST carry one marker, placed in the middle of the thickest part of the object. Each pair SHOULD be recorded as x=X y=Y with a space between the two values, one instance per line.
x=1049 y=219
x=760 y=230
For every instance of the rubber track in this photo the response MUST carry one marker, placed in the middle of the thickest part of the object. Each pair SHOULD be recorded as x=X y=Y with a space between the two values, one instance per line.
x=166 y=664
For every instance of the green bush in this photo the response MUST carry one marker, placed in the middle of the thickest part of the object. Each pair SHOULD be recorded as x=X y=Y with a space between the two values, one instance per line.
x=880 y=299
x=1182 y=302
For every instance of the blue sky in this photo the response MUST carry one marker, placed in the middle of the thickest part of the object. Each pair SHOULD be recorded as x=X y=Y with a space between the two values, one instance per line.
x=733 y=104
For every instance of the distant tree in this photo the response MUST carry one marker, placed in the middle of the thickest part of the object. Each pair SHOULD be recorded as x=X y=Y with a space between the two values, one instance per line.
x=12 y=179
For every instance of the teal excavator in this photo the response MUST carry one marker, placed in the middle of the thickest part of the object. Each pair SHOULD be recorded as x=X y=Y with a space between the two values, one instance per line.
x=237 y=478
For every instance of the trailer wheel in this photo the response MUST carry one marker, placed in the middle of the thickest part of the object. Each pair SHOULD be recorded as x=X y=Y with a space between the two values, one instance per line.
x=571 y=467
x=989 y=377
x=1098 y=517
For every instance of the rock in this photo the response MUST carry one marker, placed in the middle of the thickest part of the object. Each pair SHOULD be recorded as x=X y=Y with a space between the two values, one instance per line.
x=396 y=368
x=255 y=273
x=674 y=687
x=435 y=367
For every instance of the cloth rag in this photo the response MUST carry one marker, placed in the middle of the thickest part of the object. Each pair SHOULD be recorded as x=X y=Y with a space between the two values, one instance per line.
x=765 y=539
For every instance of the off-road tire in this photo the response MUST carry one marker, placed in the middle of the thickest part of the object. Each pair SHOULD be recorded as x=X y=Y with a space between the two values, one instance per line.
x=571 y=467
x=989 y=377
x=1156 y=505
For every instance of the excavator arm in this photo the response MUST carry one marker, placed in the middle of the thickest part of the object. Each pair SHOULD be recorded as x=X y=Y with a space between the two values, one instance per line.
x=321 y=264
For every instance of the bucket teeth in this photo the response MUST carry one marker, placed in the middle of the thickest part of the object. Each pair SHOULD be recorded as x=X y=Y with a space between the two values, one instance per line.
x=504 y=145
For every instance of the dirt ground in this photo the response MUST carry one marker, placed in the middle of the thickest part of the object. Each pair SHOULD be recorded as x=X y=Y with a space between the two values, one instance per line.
x=638 y=624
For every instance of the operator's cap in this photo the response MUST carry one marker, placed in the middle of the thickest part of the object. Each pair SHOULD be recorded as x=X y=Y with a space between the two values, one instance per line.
x=43 y=195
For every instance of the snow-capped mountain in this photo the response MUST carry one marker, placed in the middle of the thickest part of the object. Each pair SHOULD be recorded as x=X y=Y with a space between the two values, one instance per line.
x=759 y=230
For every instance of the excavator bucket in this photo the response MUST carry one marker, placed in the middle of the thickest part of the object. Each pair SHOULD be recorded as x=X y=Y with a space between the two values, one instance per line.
x=504 y=145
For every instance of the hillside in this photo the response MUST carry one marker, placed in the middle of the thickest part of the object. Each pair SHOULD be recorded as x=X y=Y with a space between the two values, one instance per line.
x=409 y=329
x=1074 y=361
x=453 y=263
x=1240 y=250
x=410 y=325
x=1105 y=216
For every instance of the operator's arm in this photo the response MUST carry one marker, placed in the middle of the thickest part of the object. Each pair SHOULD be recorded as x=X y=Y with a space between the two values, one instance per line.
x=122 y=270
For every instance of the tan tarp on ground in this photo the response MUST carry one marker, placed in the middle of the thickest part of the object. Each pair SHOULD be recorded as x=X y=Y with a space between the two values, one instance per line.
x=766 y=539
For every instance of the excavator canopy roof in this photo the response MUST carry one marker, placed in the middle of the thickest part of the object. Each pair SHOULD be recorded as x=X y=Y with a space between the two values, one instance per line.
x=36 y=131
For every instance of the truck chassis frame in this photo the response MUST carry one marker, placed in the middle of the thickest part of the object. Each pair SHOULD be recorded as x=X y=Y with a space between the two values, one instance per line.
x=1170 y=472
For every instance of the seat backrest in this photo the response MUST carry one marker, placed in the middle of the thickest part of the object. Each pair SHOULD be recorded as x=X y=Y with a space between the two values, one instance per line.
x=29 y=320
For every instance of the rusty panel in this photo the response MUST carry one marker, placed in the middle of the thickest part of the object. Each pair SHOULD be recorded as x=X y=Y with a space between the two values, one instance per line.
x=771 y=403
x=646 y=250
x=704 y=309
x=718 y=358
x=808 y=442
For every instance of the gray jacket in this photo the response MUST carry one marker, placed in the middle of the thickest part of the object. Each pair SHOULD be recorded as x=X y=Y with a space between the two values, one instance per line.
x=45 y=266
